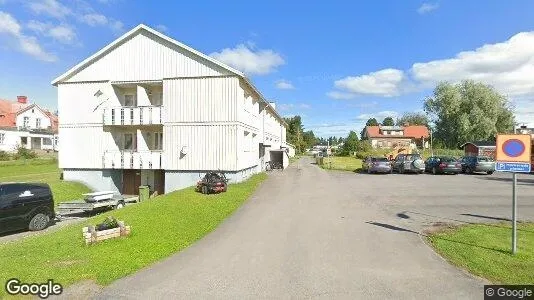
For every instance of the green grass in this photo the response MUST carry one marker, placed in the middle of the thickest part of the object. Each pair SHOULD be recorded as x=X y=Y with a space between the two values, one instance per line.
x=485 y=250
x=160 y=227
x=446 y=152
x=42 y=170
x=342 y=163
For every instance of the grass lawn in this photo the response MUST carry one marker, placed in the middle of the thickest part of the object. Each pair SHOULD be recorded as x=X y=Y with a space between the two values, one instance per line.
x=160 y=227
x=485 y=250
x=42 y=170
x=342 y=163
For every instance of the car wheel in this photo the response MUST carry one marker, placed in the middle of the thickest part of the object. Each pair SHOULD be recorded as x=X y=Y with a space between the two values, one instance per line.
x=434 y=172
x=490 y=172
x=401 y=170
x=204 y=189
x=119 y=205
x=39 y=222
x=468 y=170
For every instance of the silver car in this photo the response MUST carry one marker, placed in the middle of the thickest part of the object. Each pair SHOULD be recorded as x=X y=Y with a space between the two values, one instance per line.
x=376 y=165
x=412 y=163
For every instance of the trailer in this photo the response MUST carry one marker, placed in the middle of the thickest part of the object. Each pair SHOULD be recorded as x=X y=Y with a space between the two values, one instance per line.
x=93 y=202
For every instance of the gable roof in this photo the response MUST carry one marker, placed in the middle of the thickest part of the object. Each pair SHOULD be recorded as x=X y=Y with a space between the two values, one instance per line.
x=481 y=144
x=413 y=131
x=143 y=27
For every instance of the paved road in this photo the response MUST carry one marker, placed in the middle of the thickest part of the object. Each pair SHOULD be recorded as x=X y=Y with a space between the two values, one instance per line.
x=309 y=233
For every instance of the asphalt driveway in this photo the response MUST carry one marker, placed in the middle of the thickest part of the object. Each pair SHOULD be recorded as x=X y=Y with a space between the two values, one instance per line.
x=310 y=233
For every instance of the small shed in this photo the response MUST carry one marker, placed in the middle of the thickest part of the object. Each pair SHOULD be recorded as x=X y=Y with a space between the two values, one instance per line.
x=479 y=148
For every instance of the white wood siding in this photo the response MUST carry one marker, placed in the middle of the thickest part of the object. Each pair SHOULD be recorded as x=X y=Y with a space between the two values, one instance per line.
x=146 y=57
x=200 y=99
x=33 y=114
x=209 y=147
x=81 y=147
x=77 y=102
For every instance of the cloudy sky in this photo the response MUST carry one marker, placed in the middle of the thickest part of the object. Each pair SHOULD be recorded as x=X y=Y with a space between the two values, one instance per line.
x=336 y=63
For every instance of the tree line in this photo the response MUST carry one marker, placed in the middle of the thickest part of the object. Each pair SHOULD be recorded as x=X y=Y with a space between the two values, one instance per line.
x=455 y=112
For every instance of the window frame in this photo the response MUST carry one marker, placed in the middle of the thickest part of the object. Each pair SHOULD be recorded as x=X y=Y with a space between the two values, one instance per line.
x=2 y=138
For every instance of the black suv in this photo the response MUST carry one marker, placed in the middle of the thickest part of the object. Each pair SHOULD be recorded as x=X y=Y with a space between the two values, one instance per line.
x=25 y=206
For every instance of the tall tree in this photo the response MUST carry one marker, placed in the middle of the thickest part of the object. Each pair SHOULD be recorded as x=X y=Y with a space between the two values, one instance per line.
x=309 y=139
x=468 y=111
x=351 y=144
x=388 y=121
x=413 y=119
x=370 y=122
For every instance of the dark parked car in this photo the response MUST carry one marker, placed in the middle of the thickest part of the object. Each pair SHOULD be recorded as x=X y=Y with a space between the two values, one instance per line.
x=478 y=164
x=376 y=165
x=443 y=165
x=405 y=163
x=25 y=206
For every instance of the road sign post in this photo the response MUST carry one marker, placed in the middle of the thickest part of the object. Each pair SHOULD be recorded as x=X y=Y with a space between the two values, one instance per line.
x=512 y=154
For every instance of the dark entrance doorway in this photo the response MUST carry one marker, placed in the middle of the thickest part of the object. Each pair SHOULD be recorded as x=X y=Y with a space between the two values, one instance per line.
x=131 y=180
x=159 y=181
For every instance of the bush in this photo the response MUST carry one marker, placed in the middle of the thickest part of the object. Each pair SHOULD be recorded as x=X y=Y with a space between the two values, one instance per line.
x=4 y=156
x=23 y=153
x=109 y=223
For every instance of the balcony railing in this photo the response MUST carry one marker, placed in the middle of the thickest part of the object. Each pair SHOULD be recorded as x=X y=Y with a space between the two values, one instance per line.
x=126 y=159
x=133 y=115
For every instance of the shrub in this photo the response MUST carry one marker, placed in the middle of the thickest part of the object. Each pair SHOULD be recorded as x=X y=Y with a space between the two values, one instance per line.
x=109 y=223
x=23 y=153
x=4 y=156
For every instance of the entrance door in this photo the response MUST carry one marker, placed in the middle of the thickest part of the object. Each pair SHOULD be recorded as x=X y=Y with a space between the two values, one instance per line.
x=131 y=180
x=159 y=181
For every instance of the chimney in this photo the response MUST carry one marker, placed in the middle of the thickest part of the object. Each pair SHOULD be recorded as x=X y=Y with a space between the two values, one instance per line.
x=22 y=99
x=273 y=104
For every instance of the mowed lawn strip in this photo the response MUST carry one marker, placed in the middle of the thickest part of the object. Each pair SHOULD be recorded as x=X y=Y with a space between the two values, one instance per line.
x=485 y=250
x=342 y=163
x=160 y=227
x=42 y=171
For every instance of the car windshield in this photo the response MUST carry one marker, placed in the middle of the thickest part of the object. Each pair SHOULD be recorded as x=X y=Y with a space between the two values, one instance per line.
x=448 y=159
x=413 y=156
x=379 y=159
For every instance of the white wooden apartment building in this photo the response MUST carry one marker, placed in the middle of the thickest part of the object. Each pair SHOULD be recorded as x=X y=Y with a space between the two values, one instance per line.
x=148 y=110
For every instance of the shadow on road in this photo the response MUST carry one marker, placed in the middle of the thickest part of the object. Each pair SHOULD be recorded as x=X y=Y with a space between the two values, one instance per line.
x=404 y=215
x=397 y=228
x=487 y=217
x=522 y=181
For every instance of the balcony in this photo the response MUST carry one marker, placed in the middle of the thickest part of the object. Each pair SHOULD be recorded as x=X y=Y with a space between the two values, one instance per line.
x=133 y=115
x=137 y=160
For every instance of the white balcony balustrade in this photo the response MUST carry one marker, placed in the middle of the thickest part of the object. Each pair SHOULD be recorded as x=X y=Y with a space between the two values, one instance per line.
x=133 y=115
x=126 y=159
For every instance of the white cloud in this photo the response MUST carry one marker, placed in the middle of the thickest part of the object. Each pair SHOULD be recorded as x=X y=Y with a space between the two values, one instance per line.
x=117 y=26
x=10 y=27
x=386 y=83
x=340 y=95
x=284 y=85
x=249 y=60
x=50 y=7
x=379 y=116
x=94 y=19
x=291 y=106
x=162 y=28
x=62 y=33
x=427 y=7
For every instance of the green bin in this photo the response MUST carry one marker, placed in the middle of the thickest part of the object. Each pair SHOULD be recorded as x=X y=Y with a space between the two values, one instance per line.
x=144 y=193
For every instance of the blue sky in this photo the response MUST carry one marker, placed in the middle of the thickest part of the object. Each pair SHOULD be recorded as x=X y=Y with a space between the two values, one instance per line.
x=335 y=63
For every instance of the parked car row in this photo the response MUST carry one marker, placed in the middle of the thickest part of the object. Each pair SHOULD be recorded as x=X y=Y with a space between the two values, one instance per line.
x=413 y=163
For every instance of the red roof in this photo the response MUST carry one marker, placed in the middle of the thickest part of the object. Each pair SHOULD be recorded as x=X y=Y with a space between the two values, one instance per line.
x=10 y=109
x=413 y=131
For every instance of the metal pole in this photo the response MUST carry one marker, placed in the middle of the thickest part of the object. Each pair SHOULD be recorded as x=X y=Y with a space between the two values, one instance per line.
x=514 y=214
x=431 y=149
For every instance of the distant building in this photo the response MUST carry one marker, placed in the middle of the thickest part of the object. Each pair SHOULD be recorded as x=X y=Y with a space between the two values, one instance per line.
x=27 y=125
x=479 y=148
x=397 y=136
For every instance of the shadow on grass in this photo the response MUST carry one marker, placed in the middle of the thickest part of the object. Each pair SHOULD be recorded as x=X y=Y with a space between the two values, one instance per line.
x=404 y=215
x=400 y=229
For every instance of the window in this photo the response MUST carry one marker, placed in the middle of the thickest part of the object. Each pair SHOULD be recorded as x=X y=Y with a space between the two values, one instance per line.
x=26 y=122
x=38 y=123
x=129 y=100
x=47 y=142
x=128 y=141
x=246 y=141
x=158 y=141
x=253 y=142
x=2 y=138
